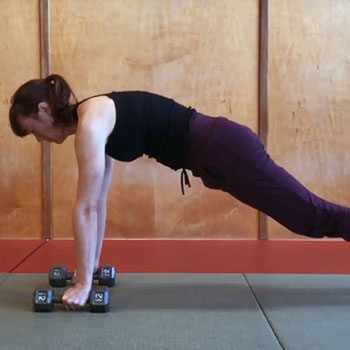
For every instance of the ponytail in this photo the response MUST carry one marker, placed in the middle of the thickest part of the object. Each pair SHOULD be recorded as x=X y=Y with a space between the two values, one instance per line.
x=61 y=98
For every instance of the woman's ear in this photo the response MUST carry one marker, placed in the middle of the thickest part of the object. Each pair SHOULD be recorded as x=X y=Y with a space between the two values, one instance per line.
x=44 y=107
x=44 y=111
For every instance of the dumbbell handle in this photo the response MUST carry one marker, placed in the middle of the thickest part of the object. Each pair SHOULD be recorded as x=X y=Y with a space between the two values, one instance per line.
x=57 y=299
x=70 y=275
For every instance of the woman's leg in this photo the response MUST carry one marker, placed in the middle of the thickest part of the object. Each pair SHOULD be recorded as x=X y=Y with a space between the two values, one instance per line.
x=233 y=159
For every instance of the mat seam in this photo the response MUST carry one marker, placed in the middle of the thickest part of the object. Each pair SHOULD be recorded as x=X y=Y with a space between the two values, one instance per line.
x=264 y=313
x=28 y=256
x=5 y=278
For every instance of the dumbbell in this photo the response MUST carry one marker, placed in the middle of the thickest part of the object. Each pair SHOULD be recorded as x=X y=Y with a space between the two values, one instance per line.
x=45 y=298
x=59 y=276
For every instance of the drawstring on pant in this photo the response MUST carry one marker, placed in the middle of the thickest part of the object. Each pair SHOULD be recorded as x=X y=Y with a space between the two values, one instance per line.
x=184 y=176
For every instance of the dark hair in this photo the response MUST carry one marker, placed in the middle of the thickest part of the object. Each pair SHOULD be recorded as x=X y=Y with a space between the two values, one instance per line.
x=54 y=90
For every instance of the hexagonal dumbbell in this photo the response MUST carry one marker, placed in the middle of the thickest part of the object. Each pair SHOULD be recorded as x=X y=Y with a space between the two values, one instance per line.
x=45 y=298
x=59 y=276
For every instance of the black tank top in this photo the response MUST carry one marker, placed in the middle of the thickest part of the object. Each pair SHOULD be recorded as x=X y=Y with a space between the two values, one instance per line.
x=150 y=124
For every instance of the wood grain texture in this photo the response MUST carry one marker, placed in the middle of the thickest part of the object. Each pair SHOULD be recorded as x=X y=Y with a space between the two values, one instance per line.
x=309 y=101
x=263 y=97
x=20 y=166
x=46 y=147
x=204 y=56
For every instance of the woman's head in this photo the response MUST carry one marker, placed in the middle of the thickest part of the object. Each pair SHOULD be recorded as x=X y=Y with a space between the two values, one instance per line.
x=43 y=107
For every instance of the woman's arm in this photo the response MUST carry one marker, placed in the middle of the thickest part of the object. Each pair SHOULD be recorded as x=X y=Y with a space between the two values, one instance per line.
x=95 y=125
x=102 y=208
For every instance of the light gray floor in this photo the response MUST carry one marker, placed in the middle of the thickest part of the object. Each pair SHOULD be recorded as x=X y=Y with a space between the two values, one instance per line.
x=187 y=311
x=149 y=311
x=306 y=311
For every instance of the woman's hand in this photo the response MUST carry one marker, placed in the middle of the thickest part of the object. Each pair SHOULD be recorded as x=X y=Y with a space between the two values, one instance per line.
x=76 y=297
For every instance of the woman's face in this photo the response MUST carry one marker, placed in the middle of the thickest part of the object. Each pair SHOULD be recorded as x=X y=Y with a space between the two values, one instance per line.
x=42 y=126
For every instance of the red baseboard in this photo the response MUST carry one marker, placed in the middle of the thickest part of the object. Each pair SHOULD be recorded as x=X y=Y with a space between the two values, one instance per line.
x=14 y=252
x=201 y=256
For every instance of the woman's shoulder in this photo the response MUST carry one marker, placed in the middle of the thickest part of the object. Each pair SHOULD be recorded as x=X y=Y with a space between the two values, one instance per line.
x=101 y=103
x=97 y=109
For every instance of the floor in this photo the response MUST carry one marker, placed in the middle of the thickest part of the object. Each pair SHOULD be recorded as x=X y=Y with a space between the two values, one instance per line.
x=182 y=310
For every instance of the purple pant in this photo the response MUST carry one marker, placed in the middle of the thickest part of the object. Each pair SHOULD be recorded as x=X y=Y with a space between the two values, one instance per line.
x=230 y=157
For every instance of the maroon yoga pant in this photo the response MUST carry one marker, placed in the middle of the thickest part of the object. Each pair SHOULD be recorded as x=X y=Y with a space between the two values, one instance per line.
x=230 y=157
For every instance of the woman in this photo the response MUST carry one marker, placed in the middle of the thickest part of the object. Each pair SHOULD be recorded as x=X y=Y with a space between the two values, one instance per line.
x=125 y=125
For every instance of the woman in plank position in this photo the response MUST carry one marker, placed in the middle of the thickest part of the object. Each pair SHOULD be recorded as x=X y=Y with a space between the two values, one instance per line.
x=126 y=125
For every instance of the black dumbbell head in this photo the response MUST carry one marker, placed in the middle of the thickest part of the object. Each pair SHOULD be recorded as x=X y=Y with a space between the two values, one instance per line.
x=99 y=299
x=43 y=300
x=106 y=276
x=58 y=276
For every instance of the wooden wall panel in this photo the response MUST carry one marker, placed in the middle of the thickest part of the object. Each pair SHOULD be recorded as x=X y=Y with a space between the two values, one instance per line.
x=20 y=162
x=196 y=52
x=309 y=96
